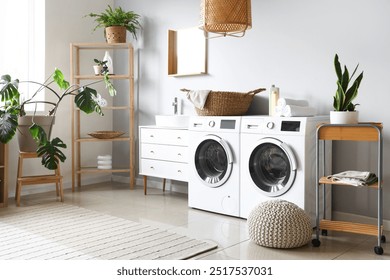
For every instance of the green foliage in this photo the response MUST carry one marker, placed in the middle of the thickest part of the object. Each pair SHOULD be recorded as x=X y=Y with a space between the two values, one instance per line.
x=117 y=17
x=342 y=100
x=12 y=107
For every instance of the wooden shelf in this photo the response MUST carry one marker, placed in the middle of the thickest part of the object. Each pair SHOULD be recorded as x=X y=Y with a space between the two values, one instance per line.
x=91 y=139
x=77 y=50
x=86 y=170
x=351 y=133
x=97 y=77
x=324 y=180
x=350 y=227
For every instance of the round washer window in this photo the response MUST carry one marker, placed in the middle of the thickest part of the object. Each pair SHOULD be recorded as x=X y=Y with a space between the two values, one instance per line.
x=270 y=169
x=212 y=163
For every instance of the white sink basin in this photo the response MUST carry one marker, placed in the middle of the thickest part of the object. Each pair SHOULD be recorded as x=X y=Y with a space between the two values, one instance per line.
x=172 y=120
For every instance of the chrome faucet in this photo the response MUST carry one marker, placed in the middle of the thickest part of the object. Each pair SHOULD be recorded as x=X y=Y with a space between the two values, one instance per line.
x=174 y=104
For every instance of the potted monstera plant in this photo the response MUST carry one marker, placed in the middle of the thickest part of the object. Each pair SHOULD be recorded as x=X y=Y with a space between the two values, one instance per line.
x=344 y=109
x=115 y=23
x=13 y=114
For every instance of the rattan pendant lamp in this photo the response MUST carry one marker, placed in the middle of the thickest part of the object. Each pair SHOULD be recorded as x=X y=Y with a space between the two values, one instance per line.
x=226 y=17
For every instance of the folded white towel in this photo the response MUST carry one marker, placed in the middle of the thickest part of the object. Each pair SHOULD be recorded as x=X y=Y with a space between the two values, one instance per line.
x=198 y=97
x=288 y=101
x=355 y=178
x=297 y=111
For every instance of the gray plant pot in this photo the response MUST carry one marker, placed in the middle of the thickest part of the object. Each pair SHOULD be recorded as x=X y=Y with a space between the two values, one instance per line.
x=26 y=142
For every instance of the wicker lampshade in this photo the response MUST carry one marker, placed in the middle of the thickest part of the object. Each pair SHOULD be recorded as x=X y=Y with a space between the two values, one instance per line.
x=226 y=17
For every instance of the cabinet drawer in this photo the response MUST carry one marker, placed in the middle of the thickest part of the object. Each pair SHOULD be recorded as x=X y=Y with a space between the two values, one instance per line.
x=164 y=152
x=164 y=136
x=164 y=169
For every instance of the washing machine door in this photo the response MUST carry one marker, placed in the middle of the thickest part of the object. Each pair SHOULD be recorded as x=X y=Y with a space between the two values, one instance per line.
x=213 y=161
x=272 y=166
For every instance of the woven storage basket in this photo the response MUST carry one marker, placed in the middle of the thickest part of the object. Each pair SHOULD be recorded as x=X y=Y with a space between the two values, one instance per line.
x=227 y=103
x=115 y=34
x=279 y=224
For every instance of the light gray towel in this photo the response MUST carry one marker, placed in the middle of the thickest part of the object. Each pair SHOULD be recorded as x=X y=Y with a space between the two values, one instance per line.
x=198 y=97
x=355 y=178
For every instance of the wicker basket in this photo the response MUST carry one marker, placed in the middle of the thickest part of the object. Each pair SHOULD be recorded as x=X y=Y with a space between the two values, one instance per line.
x=103 y=134
x=227 y=103
x=115 y=34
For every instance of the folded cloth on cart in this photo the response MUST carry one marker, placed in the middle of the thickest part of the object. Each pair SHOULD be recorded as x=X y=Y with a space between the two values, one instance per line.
x=198 y=97
x=354 y=178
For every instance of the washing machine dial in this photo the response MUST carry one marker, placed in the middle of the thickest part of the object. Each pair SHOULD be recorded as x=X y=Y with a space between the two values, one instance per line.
x=212 y=123
x=270 y=125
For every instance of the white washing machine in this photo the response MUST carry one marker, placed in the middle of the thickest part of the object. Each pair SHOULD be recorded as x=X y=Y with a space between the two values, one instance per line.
x=278 y=161
x=214 y=171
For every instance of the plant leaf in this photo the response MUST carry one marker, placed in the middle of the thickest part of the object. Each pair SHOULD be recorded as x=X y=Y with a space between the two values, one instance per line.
x=8 y=126
x=9 y=89
x=109 y=85
x=38 y=134
x=345 y=79
x=86 y=101
x=337 y=67
x=51 y=153
x=60 y=80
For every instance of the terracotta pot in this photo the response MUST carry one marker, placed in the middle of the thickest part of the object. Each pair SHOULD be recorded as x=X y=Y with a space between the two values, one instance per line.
x=115 y=34
x=25 y=140
x=344 y=117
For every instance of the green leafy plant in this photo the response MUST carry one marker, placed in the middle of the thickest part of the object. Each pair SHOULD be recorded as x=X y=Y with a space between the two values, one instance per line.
x=117 y=17
x=13 y=106
x=342 y=100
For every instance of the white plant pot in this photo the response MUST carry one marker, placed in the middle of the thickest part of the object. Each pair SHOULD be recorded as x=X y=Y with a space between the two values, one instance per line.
x=344 y=117
x=98 y=69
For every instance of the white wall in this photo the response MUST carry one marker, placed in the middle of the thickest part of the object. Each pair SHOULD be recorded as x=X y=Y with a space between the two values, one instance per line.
x=292 y=44
x=65 y=23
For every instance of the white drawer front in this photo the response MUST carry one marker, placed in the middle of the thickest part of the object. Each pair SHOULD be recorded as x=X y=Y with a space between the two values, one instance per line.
x=164 y=136
x=164 y=152
x=164 y=169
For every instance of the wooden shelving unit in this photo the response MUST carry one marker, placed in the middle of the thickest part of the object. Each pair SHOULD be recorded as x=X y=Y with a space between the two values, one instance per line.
x=77 y=138
x=359 y=132
x=3 y=175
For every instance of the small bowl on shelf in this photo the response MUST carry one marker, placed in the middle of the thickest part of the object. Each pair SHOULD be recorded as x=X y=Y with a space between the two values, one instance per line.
x=105 y=134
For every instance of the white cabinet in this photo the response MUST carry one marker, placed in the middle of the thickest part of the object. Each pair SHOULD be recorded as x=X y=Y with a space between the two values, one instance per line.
x=163 y=153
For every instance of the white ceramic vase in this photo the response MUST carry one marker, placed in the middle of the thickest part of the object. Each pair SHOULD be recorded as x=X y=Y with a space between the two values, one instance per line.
x=344 y=117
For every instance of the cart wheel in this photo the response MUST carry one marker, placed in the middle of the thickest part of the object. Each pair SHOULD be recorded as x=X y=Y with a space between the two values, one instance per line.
x=383 y=239
x=316 y=243
x=324 y=232
x=378 y=250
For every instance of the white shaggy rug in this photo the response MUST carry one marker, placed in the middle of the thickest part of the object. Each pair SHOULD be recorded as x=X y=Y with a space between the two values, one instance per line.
x=60 y=231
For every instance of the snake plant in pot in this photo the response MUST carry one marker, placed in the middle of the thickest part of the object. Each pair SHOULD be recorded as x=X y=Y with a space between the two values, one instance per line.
x=13 y=112
x=344 y=109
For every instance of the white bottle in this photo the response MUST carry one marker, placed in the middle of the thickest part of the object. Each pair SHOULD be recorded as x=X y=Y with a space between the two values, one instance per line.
x=110 y=65
x=273 y=99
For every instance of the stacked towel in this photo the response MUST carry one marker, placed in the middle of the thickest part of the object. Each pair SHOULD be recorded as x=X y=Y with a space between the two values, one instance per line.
x=198 y=97
x=355 y=178
x=294 y=108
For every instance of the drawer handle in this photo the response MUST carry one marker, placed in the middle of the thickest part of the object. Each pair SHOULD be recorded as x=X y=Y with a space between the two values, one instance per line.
x=179 y=154
x=178 y=137
x=151 y=136
x=152 y=167
x=179 y=171
x=152 y=152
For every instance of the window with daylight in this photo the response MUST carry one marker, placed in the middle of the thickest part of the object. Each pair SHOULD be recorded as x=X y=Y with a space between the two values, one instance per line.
x=22 y=47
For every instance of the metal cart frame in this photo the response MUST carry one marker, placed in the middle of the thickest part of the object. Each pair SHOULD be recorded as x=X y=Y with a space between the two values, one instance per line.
x=349 y=132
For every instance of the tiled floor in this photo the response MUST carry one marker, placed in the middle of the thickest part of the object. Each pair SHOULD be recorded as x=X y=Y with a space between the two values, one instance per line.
x=170 y=211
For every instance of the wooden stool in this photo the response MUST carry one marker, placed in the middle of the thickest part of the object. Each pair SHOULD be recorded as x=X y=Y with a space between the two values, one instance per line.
x=37 y=179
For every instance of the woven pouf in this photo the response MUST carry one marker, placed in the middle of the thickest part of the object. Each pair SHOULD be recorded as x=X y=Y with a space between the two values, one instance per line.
x=279 y=224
